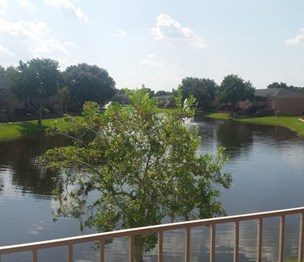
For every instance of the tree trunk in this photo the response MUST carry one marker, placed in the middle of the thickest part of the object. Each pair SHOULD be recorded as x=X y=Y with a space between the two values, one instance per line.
x=232 y=109
x=40 y=108
x=39 y=120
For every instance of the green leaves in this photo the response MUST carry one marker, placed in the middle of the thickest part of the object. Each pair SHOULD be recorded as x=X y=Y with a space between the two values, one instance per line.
x=35 y=82
x=142 y=163
x=88 y=83
x=234 y=89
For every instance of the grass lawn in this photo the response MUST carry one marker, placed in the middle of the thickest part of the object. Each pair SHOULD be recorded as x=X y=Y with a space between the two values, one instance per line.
x=9 y=131
x=291 y=122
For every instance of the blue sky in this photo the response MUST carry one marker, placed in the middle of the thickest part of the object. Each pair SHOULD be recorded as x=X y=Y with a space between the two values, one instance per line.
x=160 y=42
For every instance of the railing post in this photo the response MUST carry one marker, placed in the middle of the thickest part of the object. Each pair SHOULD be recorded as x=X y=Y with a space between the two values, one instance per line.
x=70 y=253
x=282 y=238
x=132 y=249
x=212 y=242
x=236 y=241
x=301 y=238
x=160 y=246
x=260 y=239
x=101 y=251
x=34 y=255
x=187 y=244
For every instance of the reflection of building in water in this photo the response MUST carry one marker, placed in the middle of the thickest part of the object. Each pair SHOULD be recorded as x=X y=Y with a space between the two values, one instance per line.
x=6 y=183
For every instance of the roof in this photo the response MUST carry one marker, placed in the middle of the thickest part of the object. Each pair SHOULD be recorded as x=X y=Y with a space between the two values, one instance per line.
x=277 y=92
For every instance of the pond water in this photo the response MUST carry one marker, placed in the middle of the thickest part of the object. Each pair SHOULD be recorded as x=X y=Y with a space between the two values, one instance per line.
x=267 y=165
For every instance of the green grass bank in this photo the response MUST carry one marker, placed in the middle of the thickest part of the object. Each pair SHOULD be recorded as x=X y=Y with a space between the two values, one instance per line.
x=291 y=122
x=10 y=131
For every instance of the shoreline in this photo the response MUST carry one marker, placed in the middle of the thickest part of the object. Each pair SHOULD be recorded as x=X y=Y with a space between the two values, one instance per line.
x=294 y=123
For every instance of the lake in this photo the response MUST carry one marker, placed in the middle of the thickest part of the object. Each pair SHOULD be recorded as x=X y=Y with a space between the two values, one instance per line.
x=267 y=166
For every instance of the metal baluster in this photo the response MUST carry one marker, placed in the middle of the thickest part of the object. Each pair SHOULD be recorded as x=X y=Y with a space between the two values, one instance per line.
x=160 y=246
x=301 y=238
x=260 y=240
x=132 y=249
x=187 y=244
x=236 y=241
x=212 y=243
x=101 y=251
x=34 y=255
x=70 y=253
x=282 y=238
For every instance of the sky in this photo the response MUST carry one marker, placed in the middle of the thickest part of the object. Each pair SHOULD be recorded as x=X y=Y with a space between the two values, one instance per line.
x=158 y=43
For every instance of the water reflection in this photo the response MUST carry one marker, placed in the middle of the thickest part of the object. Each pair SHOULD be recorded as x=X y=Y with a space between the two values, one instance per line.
x=19 y=159
x=267 y=164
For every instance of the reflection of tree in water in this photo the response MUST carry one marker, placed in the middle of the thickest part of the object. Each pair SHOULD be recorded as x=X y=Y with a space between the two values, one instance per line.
x=20 y=155
x=1 y=184
x=276 y=133
x=236 y=137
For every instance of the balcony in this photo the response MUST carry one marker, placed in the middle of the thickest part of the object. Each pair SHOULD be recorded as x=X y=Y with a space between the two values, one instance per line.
x=211 y=224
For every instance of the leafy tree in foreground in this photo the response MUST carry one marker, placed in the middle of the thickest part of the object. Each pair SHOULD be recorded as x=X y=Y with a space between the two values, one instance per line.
x=35 y=82
x=142 y=166
x=234 y=89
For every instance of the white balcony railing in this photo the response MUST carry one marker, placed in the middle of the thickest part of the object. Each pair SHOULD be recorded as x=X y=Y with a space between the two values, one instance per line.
x=160 y=229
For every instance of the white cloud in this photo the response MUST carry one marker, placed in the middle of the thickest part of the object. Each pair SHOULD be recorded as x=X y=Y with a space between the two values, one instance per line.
x=49 y=47
x=33 y=40
x=54 y=49
x=297 y=40
x=120 y=33
x=3 y=5
x=6 y=52
x=171 y=31
x=26 y=4
x=23 y=28
x=68 y=5
x=152 y=61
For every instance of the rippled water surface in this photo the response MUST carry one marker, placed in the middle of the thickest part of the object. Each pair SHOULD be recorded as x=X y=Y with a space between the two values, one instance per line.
x=267 y=164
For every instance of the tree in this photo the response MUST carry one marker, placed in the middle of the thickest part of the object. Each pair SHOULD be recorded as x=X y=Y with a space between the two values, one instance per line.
x=284 y=85
x=88 y=83
x=204 y=90
x=3 y=78
x=34 y=82
x=162 y=93
x=277 y=85
x=64 y=98
x=234 y=89
x=143 y=164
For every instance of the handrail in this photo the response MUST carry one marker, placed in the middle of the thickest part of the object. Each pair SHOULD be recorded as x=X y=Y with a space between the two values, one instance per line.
x=187 y=225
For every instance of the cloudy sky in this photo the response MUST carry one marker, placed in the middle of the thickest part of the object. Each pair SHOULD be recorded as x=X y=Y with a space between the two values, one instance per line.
x=160 y=42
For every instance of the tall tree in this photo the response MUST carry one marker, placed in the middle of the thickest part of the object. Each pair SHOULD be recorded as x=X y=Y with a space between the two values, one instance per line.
x=34 y=82
x=88 y=83
x=204 y=90
x=234 y=89
x=277 y=85
x=162 y=93
x=144 y=166
x=3 y=78
x=284 y=85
